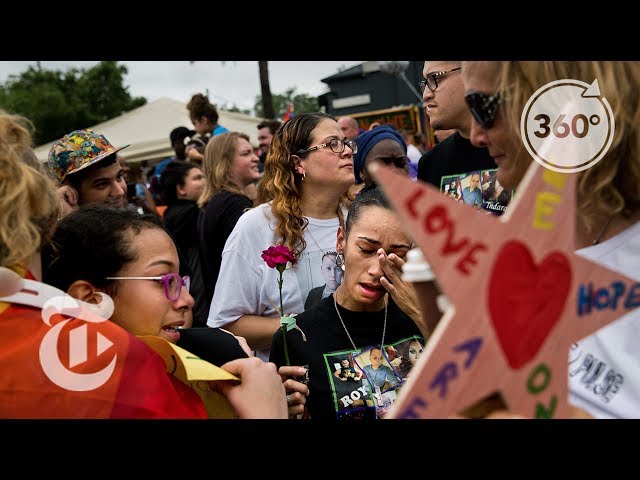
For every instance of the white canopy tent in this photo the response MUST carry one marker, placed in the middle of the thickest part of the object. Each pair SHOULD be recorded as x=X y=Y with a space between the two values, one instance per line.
x=147 y=129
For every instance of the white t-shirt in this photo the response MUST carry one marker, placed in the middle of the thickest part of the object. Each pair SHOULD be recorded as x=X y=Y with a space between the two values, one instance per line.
x=413 y=154
x=247 y=286
x=604 y=368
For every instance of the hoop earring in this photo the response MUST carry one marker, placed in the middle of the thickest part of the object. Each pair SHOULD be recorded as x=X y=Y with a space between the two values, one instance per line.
x=304 y=177
x=340 y=261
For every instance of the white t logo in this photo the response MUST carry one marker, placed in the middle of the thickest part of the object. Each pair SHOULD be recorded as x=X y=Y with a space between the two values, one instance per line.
x=49 y=358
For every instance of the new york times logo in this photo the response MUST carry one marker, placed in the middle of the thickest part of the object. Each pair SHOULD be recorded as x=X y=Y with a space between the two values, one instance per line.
x=49 y=355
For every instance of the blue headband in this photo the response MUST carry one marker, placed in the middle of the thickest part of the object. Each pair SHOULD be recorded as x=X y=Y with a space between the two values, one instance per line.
x=367 y=140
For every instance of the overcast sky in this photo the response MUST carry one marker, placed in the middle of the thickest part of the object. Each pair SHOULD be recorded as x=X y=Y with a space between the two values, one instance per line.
x=232 y=83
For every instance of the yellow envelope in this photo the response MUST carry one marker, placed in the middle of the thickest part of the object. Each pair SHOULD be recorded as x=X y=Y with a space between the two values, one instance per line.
x=195 y=372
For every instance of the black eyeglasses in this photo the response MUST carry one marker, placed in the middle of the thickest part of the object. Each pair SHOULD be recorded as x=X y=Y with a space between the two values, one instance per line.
x=432 y=79
x=483 y=107
x=336 y=145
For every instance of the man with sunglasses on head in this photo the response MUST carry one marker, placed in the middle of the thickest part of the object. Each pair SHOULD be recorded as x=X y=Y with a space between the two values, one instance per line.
x=443 y=94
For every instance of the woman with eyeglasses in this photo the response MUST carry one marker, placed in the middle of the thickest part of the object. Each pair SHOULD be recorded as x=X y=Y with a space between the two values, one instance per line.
x=131 y=258
x=373 y=308
x=126 y=380
x=607 y=209
x=382 y=144
x=301 y=203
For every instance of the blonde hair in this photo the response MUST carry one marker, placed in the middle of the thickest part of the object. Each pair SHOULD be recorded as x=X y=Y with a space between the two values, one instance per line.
x=611 y=185
x=216 y=165
x=282 y=185
x=27 y=194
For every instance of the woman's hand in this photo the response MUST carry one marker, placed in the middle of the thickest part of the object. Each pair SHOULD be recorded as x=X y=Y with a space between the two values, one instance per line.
x=260 y=393
x=296 y=392
x=403 y=293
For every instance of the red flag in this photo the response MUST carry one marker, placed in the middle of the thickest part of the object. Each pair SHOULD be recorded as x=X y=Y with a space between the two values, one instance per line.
x=288 y=114
x=137 y=384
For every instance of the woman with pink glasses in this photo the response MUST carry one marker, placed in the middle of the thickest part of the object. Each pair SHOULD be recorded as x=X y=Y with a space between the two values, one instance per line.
x=130 y=257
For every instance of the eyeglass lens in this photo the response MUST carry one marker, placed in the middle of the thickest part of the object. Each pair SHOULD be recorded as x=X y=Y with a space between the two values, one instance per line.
x=174 y=285
x=337 y=145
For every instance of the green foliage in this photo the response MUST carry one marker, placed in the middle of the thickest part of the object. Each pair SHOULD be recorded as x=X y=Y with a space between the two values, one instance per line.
x=302 y=103
x=58 y=102
x=235 y=109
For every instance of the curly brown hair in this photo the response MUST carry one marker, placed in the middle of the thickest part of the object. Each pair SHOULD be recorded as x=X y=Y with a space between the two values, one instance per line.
x=27 y=194
x=282 y=185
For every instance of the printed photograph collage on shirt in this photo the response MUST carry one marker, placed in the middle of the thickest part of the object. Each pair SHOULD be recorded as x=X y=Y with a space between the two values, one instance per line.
x=366 y=382
x=479 y=188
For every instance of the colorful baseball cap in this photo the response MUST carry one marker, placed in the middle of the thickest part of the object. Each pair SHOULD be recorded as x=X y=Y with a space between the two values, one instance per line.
x=78 y=150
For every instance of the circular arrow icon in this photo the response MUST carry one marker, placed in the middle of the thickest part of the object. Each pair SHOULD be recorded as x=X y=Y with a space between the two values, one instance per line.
x=567 y=126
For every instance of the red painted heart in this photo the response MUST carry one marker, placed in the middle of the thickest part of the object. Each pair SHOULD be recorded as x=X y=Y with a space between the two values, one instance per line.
x=525 y=300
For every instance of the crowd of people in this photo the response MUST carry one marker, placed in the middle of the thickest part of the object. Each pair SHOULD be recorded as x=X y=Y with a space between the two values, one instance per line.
x=176 y=255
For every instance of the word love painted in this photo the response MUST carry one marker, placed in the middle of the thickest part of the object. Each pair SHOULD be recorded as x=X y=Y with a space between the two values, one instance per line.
x=447 y=373
x=607 y=297
x=436 y=221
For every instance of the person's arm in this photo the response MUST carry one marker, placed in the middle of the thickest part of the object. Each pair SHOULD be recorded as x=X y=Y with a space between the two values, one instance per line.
x=215 y=345
x=257 y=330
x=193 y=155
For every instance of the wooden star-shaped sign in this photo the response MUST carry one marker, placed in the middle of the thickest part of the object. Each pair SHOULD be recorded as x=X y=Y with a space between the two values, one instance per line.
x=520 y=297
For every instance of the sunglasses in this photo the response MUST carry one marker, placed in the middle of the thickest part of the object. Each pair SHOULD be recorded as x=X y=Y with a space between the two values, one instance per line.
x=483 y=107
x=172 y=282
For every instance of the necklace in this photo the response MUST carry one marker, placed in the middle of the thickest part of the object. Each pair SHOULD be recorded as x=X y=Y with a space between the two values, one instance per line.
x=384 y=328
x=308 y=229
x=599 y=236
x=315 y=241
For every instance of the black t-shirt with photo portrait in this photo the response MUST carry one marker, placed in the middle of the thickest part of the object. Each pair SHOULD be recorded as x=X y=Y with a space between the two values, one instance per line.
x=335 y=395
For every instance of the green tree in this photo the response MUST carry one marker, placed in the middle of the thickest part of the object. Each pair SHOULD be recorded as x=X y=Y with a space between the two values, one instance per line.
x=59 y=102
x=302 y=103
x=236 y=109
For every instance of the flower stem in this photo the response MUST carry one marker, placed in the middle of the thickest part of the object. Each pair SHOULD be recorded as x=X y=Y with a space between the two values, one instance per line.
x=280 y=289
x=283 y=328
